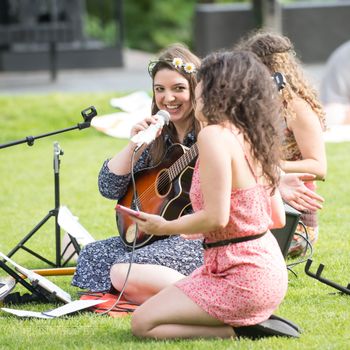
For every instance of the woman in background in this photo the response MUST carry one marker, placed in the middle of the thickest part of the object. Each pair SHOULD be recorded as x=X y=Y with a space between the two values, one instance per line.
x=303 y=120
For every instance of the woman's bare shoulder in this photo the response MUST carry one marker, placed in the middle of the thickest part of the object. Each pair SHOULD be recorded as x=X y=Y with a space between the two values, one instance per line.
x=299 y=104
x=219 y=137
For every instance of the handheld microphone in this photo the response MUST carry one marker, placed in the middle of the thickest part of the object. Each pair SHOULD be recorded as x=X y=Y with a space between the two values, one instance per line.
x=148 y=135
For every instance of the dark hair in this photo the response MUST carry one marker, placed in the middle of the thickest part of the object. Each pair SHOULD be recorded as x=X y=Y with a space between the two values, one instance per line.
x=238 y=88
x=164 y=61
x=264 y=43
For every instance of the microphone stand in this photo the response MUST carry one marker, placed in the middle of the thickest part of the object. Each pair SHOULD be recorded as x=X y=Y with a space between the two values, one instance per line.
x=87 y=114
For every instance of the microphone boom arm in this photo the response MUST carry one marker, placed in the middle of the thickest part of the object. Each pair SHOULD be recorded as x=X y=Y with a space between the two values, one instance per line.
x=87 y=114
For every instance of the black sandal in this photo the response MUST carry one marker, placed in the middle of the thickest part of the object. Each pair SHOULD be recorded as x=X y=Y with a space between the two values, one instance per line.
x=274 y=326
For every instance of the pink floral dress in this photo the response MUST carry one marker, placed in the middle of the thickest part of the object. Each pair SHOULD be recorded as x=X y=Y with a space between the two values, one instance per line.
x=243 y=283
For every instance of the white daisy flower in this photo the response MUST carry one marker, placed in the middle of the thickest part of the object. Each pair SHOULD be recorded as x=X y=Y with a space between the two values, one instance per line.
x=189 y=67
x=177 y=62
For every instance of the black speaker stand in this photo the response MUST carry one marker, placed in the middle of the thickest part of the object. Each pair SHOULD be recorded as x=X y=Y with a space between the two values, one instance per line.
x=318 y=276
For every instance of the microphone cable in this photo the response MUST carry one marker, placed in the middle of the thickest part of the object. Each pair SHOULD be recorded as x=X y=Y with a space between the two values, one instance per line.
x=131 y=261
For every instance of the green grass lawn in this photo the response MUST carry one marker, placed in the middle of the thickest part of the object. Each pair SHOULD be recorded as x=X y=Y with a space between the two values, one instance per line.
x=27 y=194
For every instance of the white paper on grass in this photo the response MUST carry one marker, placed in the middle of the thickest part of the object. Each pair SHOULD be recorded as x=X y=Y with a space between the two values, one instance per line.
x=71 y=225
x=119 y=124
x=60 y=311
x=24 y=313
x=42 y=281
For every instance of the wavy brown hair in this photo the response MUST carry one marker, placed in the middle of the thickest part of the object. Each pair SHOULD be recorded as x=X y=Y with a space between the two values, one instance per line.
x=277 y=53
x=238 y=88
x=164 y=61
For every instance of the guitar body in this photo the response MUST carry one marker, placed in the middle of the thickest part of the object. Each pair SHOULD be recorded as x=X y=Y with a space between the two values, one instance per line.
x=158 y=193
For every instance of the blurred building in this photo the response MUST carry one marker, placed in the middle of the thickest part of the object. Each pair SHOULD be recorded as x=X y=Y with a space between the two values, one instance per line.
x=50 y=34
x=315 y=28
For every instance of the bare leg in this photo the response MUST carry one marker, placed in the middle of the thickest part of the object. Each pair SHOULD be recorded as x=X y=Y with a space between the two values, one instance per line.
x=144 y=280
x=171 y=314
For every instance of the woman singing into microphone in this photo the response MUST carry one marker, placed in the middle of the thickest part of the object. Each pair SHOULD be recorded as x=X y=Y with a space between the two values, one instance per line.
x=173 y=82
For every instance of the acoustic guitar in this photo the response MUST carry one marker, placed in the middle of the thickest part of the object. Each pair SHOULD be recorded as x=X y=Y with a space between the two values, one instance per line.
x=162 y=190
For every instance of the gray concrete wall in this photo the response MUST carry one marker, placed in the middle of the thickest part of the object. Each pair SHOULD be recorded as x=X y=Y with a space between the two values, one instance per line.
x=316 y=29
x=219 y=26
x=65 y=59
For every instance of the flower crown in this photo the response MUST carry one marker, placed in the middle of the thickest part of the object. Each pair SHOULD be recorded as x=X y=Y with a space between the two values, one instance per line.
x=177 y=62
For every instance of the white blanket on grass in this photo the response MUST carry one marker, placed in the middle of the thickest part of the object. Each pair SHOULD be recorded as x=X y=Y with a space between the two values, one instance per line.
x=135 y=107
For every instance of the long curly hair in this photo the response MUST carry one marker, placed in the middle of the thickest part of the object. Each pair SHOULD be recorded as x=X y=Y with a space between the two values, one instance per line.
x=164 y=61
x=277 y=53
x=238 y=88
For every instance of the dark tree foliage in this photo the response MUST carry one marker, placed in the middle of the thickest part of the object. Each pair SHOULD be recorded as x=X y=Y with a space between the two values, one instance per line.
x=149 y=24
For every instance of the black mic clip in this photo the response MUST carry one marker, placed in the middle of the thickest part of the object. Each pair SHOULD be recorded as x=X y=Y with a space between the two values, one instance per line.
x=87 y=114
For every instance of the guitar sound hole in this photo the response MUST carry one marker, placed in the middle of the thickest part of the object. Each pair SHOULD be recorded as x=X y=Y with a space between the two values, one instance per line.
x=163 y=183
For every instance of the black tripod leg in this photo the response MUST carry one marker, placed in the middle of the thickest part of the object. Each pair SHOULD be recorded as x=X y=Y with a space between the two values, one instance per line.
x=21 y=244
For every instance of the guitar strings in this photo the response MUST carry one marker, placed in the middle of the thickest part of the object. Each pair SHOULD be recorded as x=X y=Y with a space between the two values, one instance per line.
x=179 y=164
x=163 y=178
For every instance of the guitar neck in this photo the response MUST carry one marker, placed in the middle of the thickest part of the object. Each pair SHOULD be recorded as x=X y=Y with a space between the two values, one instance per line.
x=175 y=169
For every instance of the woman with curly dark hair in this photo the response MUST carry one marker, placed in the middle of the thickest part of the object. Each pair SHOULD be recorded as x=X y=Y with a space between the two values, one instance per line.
x=236 y=202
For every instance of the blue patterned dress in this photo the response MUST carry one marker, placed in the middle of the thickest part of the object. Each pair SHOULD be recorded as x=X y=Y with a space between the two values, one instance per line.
x=95 y=259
